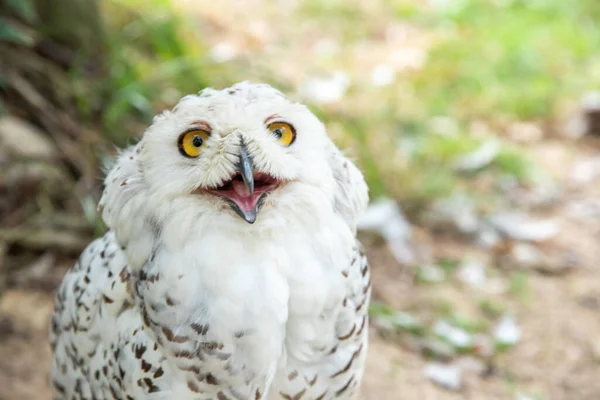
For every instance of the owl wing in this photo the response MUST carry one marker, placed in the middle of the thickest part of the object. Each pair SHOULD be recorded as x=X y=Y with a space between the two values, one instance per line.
x=351 y=327
x=352 y=195
x=343 y=370
x=335 y=370
x=84 y=332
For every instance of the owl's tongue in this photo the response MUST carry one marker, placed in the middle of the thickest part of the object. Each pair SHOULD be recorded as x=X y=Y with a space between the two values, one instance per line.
x=244 y=193
x=242 y=196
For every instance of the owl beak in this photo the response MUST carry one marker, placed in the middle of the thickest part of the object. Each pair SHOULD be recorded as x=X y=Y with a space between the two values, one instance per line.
x=246 y=170
x=246 y=189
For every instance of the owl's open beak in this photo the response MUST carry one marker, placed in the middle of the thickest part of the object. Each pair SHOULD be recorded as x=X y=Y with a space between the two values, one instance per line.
x=245 y=190
x=246 y=210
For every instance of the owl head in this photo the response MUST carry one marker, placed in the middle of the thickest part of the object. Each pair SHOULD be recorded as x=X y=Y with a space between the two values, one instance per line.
x=241 y=154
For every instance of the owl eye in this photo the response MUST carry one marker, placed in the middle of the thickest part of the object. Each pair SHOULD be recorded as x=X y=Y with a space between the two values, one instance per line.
x=284 y=132
x=191 y=142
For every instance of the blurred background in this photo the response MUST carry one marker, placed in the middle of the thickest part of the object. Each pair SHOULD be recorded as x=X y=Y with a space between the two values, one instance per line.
x=476 y=123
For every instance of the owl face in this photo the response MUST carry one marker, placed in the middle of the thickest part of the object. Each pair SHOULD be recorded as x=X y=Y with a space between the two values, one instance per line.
x=237 y=146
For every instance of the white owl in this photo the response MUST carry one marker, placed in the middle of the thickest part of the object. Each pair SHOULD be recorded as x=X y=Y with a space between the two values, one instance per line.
x=231 y=269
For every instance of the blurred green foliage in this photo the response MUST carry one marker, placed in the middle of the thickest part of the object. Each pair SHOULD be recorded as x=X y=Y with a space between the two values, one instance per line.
x=11 y=32
x=508 y=58
x=494 y=62
x=519 y=285
x=153 y=57
x=487 y=61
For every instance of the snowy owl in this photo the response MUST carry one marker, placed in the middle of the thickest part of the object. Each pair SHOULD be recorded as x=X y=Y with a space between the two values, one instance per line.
x=231 y=268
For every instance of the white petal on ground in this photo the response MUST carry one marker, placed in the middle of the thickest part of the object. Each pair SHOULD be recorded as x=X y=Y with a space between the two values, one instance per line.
x=457 y=336
x=460 y=210
x=487 y=236
x=526 y=255
x=439 y=348
x=471 y=364
x=507 y=331
x=386 y=218
x=584 y=210
x=472 y=272
x=379 y=213
x=446 y=375
x=405 y=320
x=383 y=322
x=480 y=158
x=586 y=171
x=520 y=226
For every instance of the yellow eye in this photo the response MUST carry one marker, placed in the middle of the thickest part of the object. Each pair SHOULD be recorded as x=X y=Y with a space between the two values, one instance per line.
x=191 y=143
x=285 y=133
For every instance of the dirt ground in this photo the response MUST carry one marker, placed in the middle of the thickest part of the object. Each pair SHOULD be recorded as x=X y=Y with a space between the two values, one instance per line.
x=557 y=357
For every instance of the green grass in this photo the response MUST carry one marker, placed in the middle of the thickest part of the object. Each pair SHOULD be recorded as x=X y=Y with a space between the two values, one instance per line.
x=508 y=62
x=522 y=61
x=519 y=285
x=154 y=56
x=150 y=54
x=491 y=308
x=490 y=61
x=494 y=62
x=468 y=324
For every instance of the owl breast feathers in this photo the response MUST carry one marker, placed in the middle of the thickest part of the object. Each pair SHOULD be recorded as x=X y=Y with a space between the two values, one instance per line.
x=231 y=268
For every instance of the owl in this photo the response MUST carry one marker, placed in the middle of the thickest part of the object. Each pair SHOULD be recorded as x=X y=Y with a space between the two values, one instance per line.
x=230 y=269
